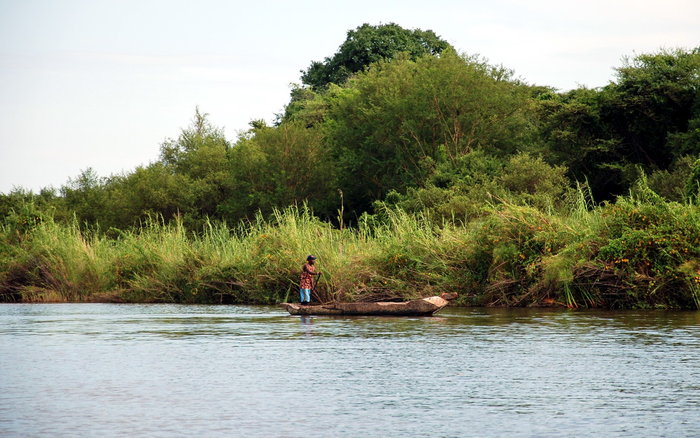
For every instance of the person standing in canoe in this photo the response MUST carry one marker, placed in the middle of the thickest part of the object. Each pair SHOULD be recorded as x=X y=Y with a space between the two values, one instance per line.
x=306 y=284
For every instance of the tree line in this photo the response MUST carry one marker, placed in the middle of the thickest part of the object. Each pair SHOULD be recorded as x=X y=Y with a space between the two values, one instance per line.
x=398 y=118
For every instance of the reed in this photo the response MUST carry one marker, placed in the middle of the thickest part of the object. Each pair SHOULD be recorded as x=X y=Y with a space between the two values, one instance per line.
x=640 y=251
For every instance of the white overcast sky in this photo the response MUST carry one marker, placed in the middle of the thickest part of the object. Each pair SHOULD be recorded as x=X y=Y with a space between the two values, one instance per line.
x=101 y=83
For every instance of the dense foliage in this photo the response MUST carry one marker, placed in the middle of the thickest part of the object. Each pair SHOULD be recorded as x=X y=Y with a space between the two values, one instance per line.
x=369 y=44
x=426 y=170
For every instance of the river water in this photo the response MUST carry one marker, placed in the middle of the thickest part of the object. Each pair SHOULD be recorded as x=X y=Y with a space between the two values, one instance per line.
x=103 y=370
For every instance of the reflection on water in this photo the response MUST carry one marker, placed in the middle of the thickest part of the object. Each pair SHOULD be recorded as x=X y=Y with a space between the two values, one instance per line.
x=170 y=370
x=307 y=322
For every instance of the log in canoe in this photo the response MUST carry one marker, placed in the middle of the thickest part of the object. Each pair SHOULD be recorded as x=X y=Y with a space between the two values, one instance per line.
x=422 y=307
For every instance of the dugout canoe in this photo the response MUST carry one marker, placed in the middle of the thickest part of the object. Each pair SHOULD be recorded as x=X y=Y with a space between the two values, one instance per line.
x=421 y=307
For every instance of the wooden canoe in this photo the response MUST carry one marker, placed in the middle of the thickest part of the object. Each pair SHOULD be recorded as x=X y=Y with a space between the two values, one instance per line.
x=422 y=307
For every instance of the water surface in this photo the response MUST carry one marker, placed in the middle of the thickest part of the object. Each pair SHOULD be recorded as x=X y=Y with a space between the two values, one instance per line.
x=173 y=370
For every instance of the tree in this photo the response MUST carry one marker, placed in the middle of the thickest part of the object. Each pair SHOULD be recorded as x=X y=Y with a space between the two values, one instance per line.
x=654 y=98
x=573 y=133
x=274 y=167
x=201 y=154
x=368 y=44
x=86 y=196
x=647 y=119
x=305 y=106
x=152 y=190
x=387 y=125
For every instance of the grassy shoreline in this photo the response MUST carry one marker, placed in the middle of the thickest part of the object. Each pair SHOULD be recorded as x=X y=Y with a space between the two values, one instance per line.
x=639 y=252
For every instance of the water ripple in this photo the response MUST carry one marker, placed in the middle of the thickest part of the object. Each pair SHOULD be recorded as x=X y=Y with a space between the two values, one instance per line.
x=254 y=371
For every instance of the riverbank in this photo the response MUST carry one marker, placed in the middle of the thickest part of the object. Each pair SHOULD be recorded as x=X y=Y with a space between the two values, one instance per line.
x=639 y=252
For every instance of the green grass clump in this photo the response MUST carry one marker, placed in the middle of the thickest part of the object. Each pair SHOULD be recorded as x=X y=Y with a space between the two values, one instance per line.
x=638 y=252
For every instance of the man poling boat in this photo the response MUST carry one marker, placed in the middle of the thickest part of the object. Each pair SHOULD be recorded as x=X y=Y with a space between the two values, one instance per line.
x=306 y=283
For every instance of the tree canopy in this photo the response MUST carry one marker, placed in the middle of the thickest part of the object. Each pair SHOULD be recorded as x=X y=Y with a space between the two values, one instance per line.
x=368 y=44
x=398 y=117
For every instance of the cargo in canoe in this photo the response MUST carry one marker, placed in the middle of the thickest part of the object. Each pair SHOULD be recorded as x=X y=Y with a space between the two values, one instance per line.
x=421 y=307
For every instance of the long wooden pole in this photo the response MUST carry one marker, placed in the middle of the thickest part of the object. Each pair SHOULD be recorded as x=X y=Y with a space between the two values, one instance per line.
x=313 y=291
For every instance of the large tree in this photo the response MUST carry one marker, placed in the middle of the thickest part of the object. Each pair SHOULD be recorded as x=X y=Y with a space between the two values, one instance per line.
x=648 y=118
x=387 y=125
x=654 y=98
x=368 y=44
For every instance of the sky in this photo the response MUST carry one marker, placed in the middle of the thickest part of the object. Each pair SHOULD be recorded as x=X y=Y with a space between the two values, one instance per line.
x=103 y=83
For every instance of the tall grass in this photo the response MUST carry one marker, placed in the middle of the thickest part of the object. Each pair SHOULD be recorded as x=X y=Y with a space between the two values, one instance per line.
x=640 y=251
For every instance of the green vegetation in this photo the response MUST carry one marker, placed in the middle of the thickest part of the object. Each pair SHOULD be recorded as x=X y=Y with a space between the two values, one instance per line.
x=367 y=45
x=641 y=251
x=410 y=169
